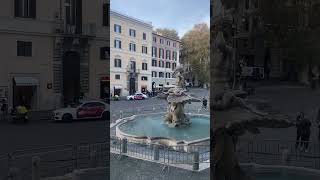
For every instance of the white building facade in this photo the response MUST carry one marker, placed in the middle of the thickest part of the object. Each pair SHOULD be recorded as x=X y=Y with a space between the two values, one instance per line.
x=165 y=59
x=130 y=48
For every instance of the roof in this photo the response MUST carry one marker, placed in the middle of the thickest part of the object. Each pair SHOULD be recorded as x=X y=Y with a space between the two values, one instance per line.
x=155 y=33
x=130 y=18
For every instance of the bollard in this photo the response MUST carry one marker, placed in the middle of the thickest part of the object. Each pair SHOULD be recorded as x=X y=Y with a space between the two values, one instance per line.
x=93 y=160
x=14 y=174
x=156 y=152
x=124 y=146
x=195 y=161
x=35 y=168
x=285 y=156
x=121 y=114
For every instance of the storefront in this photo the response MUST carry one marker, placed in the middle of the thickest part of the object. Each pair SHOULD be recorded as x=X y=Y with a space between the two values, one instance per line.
x=104 y=87
x=25 y=92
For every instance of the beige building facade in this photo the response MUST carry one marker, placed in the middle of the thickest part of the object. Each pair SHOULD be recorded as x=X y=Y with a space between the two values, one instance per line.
x=53 y=52
x=165 y=59
x=130 y=65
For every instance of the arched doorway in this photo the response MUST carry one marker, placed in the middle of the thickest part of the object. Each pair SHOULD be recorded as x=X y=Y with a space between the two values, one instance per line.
x=71 y=76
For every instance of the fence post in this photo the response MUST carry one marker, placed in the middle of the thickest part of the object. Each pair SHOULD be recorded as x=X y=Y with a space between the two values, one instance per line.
x=35 y=168
x=195 y=161
x=285 y=156
x=93 y=159
x=156 y=152
x=124 y=146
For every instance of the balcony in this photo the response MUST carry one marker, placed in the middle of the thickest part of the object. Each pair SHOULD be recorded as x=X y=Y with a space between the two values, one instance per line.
x=86 y=30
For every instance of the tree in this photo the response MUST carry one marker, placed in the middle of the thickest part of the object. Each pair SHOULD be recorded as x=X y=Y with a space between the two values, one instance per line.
x=170 y=33
x=196 y=51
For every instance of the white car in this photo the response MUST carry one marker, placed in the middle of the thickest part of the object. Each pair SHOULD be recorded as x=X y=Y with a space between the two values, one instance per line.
x=84 y=110
x=137 y=96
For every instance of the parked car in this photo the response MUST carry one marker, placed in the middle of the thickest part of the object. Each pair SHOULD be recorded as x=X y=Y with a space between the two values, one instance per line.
x=137 y=96
x=253 y=72
x=83 y=110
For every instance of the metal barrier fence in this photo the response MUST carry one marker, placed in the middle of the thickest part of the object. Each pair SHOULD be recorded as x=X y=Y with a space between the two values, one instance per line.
x=277 y=152
x=53 y=161
x=187 y=155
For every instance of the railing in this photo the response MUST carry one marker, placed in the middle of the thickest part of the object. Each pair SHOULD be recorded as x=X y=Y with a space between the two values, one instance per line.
x=277 y=152
x=53 y=161
x=173 y=155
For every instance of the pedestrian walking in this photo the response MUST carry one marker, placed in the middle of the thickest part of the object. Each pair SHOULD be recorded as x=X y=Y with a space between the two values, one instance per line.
x=299 y=119
x=318 y=123
x=4 y=109
x=306 y=131
x=204 y=103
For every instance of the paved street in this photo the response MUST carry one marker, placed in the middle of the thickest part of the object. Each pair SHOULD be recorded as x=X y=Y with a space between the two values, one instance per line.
x=289 y=99
x=43 y=134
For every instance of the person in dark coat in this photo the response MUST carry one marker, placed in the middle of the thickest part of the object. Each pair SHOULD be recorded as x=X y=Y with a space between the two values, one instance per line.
x=204 y=103
x=299 y=119
x=318 y=123
x=306 y=131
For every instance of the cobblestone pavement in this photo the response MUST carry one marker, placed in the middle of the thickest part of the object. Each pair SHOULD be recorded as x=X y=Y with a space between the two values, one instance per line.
x=289 y=99
x=126 y=168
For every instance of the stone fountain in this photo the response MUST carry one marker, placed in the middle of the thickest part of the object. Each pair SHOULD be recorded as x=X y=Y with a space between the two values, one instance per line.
x=177 y=97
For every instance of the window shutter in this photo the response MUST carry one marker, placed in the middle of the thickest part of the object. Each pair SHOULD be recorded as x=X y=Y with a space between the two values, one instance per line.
x=16 y=8
x=105 y=15
x=33 y=8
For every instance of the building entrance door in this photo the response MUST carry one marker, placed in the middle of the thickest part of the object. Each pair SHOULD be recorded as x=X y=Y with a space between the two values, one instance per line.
x=71 y=77
x=132 y=88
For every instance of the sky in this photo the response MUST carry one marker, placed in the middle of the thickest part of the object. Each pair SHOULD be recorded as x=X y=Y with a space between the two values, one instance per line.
x=180 y=15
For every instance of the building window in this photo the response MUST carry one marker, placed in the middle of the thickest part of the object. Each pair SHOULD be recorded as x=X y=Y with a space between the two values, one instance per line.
x=168 y=43
x=174 y=44
x=167 y=64
x=117 y=44
x=144 y=78
x=104 y=53
x=154 y=52
x=132 y=47
x=161 y=53
x=25 y=8
x=132 y=32
x=155 y=39
x=161 y=41
x=168 y=75
x=105 y=19
x=144 y=36
x=247 y=4
x=117 y=76
x=174 y=65
x=154 y=74
x=168 y=54
x=154 y=63
x=24 y=48
x=161 y=75
x=144 y=66
x=117 y=63
x=117 y=28
x=174 y=55
x=144 y=50
x=162 y=64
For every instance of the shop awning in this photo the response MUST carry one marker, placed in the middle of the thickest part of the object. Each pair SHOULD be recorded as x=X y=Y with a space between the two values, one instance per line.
x=26 y=81
x=117 y=87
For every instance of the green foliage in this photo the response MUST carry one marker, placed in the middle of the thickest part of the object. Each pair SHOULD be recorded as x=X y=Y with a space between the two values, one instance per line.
x=196 y=50
x=170 y=33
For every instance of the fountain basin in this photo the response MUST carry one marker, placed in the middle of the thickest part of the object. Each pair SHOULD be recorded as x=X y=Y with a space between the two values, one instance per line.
x=151 y=128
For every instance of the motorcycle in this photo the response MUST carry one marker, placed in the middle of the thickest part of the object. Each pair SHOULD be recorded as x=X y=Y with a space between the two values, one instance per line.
x=20 y=114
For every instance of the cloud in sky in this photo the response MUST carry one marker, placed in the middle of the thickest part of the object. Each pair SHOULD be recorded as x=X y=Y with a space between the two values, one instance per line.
x=180 y=15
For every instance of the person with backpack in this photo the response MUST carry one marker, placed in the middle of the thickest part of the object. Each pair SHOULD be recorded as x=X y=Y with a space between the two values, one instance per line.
x=318 y=123
x=299 y=120
x=204 y=103
x=306 y=131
